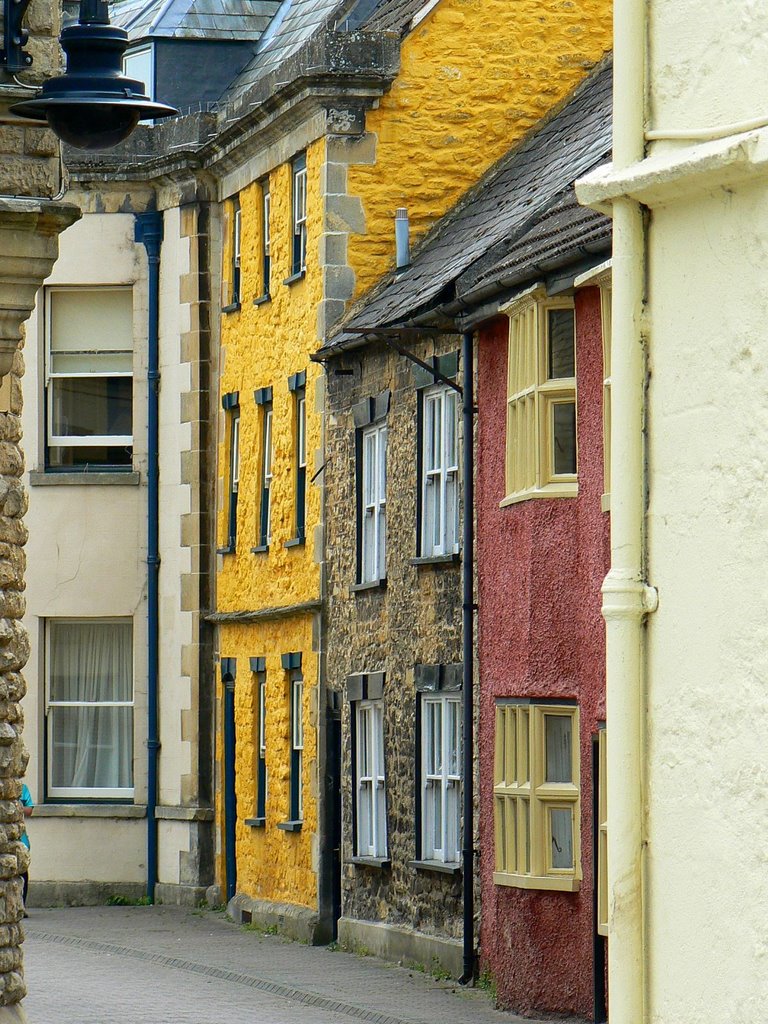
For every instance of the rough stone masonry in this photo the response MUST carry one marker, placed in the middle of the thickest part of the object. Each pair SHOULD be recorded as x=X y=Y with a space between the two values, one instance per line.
x=31 y=218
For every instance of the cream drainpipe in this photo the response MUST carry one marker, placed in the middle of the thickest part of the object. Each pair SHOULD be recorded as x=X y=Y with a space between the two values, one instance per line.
x=626 y=597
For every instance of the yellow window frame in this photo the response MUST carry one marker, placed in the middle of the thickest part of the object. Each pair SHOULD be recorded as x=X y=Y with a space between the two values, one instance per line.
x=524 y=800
x=602 y=834
x=531 y=397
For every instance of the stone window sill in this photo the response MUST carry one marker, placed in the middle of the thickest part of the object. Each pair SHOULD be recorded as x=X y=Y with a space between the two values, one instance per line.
x=260 y=549
x=378 y=863
x=84 y=478
x=228 y=549
x=435 y=560
x=232 y=307
x=262 y=299
x=90 y=811
x=184 y=813
x=290 y=826
x=299 y=275
x=294 y=542
x=256 y=822
x=435 y=865
x=359 y=588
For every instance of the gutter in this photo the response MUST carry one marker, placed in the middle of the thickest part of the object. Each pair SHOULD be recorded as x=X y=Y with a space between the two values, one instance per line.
x=149 y=231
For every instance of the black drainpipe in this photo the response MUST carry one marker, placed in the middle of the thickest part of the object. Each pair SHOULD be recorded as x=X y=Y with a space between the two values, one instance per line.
x=468 y=636
x=149 y=231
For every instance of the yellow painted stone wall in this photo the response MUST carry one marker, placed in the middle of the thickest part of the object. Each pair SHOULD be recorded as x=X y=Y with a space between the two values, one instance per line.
x=475 y=76
x=263 y=346
x=273 y=864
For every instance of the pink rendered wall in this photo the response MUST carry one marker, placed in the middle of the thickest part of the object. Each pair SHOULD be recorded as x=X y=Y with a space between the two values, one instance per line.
x=541 y=564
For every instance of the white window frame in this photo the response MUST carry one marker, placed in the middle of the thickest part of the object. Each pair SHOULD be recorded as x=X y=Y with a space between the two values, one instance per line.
x=297 y=741
x=141 y=51
x=267 y=475
x=441 y=777
x=439 y=472
x=84 y=440
x=73 y=792
x=237 y=237
x=300 y=215
x=373 y=511
x=266 y=253
x=370 y=782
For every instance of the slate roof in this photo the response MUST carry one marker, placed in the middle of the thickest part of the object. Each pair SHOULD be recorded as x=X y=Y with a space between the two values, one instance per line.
x=293 y=24
x=523 y=208
x=383 y=15
x=194 y=19
x=564 y=235
x=297 y=20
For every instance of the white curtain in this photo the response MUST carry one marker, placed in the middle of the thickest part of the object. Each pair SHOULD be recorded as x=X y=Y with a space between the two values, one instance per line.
x=90 y=705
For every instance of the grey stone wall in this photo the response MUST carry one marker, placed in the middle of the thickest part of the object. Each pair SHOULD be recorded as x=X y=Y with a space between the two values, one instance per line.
x=416 y=619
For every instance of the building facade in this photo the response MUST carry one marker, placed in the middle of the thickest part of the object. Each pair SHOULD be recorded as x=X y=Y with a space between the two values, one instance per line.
x=505 y=263
x=394 y=641
x=308 y=226
x=118 y=726
x=684 y=599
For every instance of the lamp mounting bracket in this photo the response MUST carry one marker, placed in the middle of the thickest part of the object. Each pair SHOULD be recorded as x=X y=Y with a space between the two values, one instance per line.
x=13 y=56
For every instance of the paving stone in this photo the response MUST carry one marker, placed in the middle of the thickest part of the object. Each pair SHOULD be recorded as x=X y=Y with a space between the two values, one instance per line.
x=168 y=965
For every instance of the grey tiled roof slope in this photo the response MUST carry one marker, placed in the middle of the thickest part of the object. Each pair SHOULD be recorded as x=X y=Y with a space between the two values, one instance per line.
x=500 y=211
x=564 y=234
x=194 y=19
x=294 y=23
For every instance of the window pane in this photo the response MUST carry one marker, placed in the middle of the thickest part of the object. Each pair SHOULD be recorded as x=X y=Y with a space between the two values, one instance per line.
x=562 y=837
x=369 y=469
x=91 y=320
x=298 y=720
x=564 y=437
x=138 y=65
x=562 y=352
x=363 y=751
x=91 y=661
x=558 y=730
x=435 y=737
x=262 y=718
x=91 y=747
x=91 y=406
x=454 y=726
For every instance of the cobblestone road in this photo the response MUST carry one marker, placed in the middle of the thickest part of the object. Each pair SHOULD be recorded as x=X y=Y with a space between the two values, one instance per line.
x=131 y=965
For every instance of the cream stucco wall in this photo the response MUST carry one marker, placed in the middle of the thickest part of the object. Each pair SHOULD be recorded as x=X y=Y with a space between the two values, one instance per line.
x=706 y=887
x=87 y=558
x=708 y=642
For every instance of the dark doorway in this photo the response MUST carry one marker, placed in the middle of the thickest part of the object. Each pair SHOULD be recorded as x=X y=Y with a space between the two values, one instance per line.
x=600 y=941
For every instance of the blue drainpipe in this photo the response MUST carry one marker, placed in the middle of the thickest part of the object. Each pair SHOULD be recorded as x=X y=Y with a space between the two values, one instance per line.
x=228 y=670
x=149 y=231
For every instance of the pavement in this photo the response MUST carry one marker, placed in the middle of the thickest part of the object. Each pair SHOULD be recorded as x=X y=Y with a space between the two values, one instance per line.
x=169 y=965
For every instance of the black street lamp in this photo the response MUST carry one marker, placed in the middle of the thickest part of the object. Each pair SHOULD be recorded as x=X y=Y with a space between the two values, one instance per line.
x=92 y=105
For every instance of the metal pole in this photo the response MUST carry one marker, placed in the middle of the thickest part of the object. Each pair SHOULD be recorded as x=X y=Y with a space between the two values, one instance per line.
x=468 y=565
